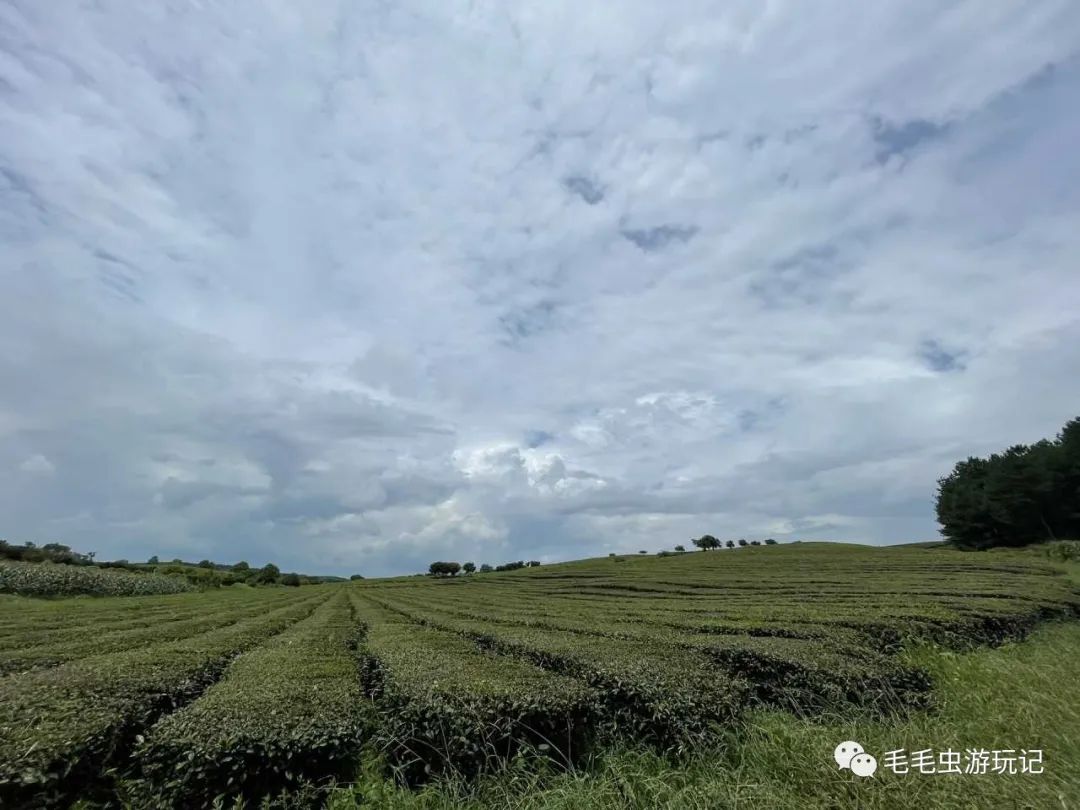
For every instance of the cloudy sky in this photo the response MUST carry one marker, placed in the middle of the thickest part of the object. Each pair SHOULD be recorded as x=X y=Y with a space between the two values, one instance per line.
x=352 y=286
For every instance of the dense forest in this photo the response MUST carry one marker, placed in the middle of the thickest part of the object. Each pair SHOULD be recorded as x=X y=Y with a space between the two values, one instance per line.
x=1025 y=494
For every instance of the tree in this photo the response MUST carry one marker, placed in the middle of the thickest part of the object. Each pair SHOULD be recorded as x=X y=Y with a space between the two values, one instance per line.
x=742 y=541
x=680 y=548
x=292 y=580
x=486 y=569
x=730 y=544
x=755 y=542
x=643 y=551
x=611 y=554
x=442 y=569
x=268 y=574
x=241 y=566
x=468 y=567
x=706 y=542
x=205 y=564
x=153 y=560
x=1024 y=494
x=534 y=563
x=769 y=541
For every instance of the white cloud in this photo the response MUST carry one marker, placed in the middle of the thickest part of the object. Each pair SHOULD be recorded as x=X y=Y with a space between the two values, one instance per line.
x=341 y=286
x=37 y=464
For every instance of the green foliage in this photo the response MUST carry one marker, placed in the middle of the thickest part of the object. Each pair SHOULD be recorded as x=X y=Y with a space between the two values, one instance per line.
x=286 y=712
x=292 y=580
x=469 y=567
x=40 y=644
x=1023 y=495
x=444 y=569
x=85 y=712
x=355 y=577
x=249 y=691
x=776 y=761
x=50 y=552
x=707 y=542
x=770 y=542
x=269 y=574
x=730 y=544
x=486 y=569
x=442 y=702
x=49 y=579
x=680 y=548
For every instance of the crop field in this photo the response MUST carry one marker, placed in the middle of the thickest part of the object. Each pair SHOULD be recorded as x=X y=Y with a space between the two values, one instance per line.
x=173 y=700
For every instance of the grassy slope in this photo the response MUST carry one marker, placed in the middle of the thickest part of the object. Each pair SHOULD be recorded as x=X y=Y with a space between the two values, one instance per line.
x=1015 y=696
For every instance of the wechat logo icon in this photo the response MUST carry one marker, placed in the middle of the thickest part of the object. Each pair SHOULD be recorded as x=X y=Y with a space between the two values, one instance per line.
x=849 y=754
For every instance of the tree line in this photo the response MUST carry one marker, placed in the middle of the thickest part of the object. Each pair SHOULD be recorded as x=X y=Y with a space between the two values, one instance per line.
x=204 y=573
x=1024 y=494
x=452 y=569
x=707 y=543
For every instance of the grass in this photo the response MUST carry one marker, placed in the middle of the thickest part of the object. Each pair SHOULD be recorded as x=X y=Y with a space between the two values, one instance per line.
x=1017 y=695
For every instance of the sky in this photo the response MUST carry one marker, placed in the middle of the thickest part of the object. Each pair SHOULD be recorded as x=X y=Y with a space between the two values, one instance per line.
x=354 y=286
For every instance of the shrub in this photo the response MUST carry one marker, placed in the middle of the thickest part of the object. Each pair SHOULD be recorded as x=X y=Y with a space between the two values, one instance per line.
x=442 y=702
x=286 y=711
x=292 y=580
x=87 y=711
x=50 y=579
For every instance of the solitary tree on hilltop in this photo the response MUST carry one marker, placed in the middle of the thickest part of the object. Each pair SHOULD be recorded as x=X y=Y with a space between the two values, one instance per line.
x=706 y=542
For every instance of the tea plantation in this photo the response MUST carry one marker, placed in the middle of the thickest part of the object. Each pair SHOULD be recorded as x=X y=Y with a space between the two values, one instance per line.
x=174 y=700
